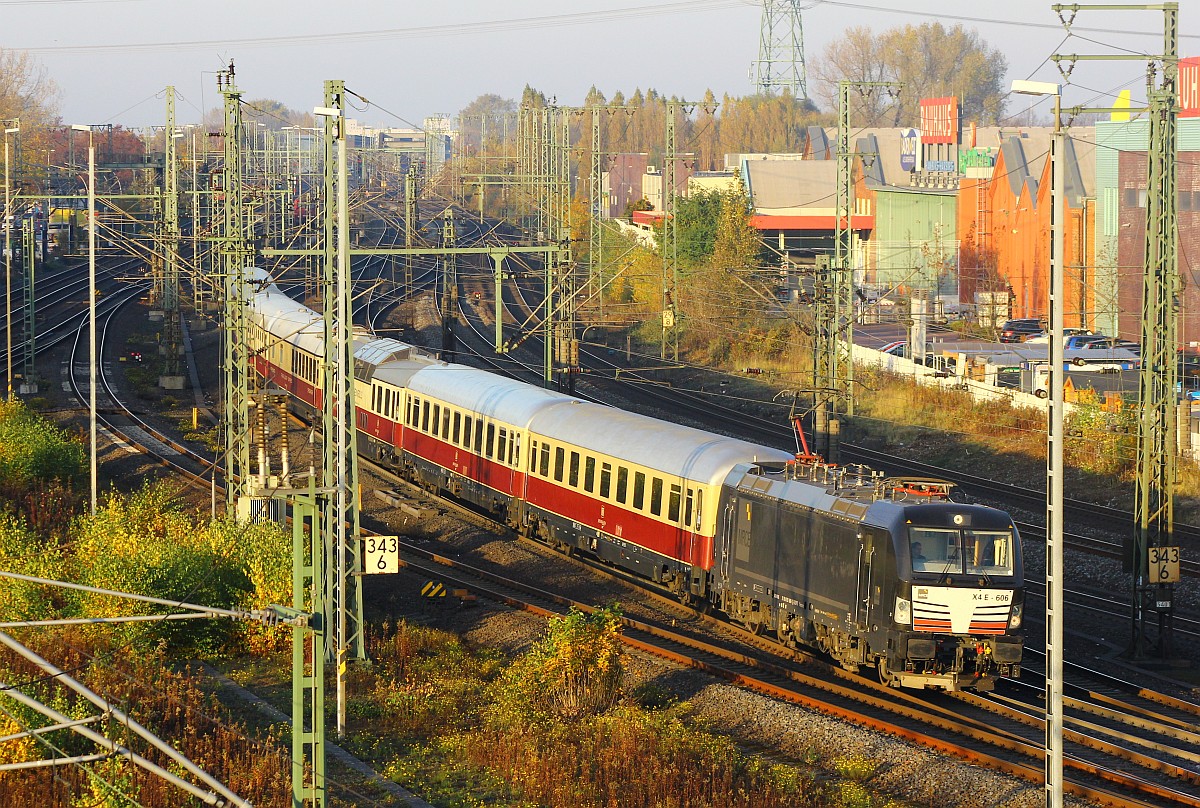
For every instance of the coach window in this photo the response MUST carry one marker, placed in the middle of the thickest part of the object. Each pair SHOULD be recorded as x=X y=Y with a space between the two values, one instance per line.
x=573 y=478
x=605 y=479
x=502 y=446
x=468 y=424
x=545 y=462
x=490 y=440
x=533 y=449
x=479 y=437
x=699 y=508
x=514 y=456
x=414 y=411
x=437 y=419
x=445 y=423
x=457 y=427
x=673 y=504
x=424 y=416
x=656 y=485
x=622 y=483
x=639 y=490
x=589 y=474
x=559 y=456
x=688 y=501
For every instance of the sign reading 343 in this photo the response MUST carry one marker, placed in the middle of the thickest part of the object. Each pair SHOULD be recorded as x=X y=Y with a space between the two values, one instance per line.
x=1164 y=565
x=381 y=554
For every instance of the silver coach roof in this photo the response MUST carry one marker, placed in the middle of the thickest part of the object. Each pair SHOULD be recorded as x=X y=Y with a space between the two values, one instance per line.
x=660 y=445
x=293 y=322
x=483 y=392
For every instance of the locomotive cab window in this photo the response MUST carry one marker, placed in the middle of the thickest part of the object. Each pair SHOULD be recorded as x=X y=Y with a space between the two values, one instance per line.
x=961 y=552
x=988 y=552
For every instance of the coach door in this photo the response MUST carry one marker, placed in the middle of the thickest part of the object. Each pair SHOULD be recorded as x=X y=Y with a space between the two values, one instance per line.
x=693 y=503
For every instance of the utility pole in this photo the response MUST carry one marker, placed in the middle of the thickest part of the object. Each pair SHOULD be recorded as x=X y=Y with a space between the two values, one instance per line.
x=780 y=64
x=839 y=363
x=235 y=255
x=343 y=604
x=1154 y=499
x=449 y=301
x=1154 y=507
x=171 y=378
x=29 y=382
x=670 y=258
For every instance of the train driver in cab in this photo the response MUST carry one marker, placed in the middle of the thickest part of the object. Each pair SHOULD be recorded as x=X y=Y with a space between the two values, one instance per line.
x=918 y=557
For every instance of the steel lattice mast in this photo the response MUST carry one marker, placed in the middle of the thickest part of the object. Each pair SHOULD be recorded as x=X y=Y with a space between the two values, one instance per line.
x=1156 y=473
x=343 y=601
x=780 y=64
x=171 y=378
x=235 y=254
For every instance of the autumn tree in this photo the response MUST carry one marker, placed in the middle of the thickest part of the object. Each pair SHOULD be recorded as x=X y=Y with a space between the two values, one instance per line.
x=929 y=59
x=489 y=117
x=26 y=90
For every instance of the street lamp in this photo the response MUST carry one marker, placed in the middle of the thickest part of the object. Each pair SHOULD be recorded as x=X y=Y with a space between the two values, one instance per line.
x=1054 y=454
x=91 y=309
x=8 y=257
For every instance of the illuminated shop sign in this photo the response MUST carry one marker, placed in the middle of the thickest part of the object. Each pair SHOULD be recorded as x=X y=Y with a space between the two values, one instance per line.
x=1189 y=87
x=939 y=120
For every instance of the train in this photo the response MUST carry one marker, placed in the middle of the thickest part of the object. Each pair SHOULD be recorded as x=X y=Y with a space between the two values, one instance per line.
x=878 y=572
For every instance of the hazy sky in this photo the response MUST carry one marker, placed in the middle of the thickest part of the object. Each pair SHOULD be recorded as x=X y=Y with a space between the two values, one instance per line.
x=112 y=58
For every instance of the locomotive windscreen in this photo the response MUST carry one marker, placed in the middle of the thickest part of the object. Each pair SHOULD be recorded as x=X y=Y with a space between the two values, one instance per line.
x=957 y=552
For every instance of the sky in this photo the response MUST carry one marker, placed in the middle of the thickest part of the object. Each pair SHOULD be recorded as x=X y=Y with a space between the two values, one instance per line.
x=113 y=58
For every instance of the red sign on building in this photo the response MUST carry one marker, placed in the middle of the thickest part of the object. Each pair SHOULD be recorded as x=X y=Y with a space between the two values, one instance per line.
x=939 y=120
x=1189 y=87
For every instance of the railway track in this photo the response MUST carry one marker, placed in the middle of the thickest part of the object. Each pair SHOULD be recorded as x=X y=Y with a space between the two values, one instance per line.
x=795 y=676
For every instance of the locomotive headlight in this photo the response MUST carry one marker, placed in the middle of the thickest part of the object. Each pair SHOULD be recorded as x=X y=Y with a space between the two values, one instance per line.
x=902 y=614
x=1014 y=620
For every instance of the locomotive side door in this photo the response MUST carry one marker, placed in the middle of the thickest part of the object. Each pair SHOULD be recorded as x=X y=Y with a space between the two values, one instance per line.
x=866 y=567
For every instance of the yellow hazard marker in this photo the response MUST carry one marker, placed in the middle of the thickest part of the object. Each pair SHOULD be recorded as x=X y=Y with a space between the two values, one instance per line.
x=433 y=589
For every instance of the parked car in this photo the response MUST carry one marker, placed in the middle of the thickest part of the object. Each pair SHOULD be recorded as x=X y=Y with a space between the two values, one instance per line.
x=1084 y=340
x=1113 y=342
x=894 y=348
x=1044 y=337
x=1018 y=330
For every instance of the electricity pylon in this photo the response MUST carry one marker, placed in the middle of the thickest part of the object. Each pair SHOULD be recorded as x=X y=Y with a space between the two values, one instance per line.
x=780 y=64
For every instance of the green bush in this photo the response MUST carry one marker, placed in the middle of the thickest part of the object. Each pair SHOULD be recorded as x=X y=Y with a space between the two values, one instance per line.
x=32 y=448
